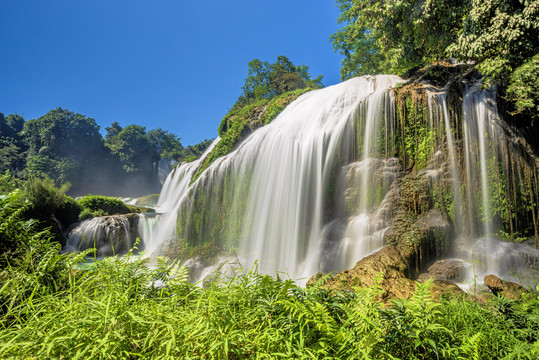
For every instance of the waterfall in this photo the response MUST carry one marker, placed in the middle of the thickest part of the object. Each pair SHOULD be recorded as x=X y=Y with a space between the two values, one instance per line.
x=268 y=198
x=318 y=188
x=174 y=189
x=437 y=103
x=109 y=235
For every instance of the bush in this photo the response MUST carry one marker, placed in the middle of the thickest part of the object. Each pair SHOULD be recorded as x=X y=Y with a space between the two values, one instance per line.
x=68 y=212
x=107 y=205
x=44 y=196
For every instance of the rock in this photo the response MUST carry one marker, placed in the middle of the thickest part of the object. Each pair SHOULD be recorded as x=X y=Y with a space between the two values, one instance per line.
x=420 y=240
x=445 y=289
x=385 y=267
x=507 y=289
x=453 y=270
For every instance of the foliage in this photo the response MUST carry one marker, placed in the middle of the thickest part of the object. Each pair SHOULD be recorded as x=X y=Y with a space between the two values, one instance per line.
x=120 y=307
x=8 y=182
x=45 y=198
x=113 y=130
x=265 y=80
x=68 y=147
x=499 y=35
x=30 y=263
x=134 y=149
x=165 y=144
x=193 y=152
x=68 y=212
x=102 y=205
x=241 y=121
x=523 y=87
x=394 y=36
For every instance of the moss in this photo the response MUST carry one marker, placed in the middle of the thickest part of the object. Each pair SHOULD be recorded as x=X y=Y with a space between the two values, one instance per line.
x=206 y=252
x=239 y=123
x=103 y=205
x=148 y=200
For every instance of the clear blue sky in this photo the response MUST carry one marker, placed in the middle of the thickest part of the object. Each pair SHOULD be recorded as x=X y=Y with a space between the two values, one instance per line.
x=174 y=64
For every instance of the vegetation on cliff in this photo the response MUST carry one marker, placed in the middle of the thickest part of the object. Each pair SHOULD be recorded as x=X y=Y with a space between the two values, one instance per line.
x=500 y=37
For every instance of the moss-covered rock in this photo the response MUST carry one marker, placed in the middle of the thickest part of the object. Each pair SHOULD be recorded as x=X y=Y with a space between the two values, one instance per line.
x=385 y=268
x=148 y=200
x=239 y=123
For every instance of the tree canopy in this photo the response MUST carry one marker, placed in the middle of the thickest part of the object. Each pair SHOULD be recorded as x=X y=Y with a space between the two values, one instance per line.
x=500 y=36
x=68 y=147
x=265 y=80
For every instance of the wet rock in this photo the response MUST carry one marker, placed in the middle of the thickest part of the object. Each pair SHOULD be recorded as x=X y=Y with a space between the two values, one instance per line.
x=507 y=289
x=452 y=270
x=385 y=268
x=420 y=240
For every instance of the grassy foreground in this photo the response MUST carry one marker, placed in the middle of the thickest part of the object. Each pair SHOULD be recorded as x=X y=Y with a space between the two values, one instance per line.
x=120 y=308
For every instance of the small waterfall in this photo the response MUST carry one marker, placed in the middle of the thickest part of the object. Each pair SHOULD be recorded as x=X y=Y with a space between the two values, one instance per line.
x=109 y=235
x=174 y=189
x=479 y=115
x=438 y=109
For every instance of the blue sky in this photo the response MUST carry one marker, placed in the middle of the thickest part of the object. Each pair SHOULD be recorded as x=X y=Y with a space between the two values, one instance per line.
x=174 y=64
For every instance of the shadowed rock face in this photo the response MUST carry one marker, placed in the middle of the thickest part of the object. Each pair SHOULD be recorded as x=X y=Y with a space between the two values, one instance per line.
x=445 y=270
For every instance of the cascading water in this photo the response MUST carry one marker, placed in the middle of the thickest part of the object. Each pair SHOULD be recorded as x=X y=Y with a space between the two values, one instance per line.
x=316 y=189
x=174 y=188
x=477 y=219
x=267 y=198
x=109 y=235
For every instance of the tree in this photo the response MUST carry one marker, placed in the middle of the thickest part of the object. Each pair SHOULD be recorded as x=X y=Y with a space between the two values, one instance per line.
x=113 y=130
x=165 y=144
x=134 y=149
x=388 y=36
x=502 y=37
x=265 y=80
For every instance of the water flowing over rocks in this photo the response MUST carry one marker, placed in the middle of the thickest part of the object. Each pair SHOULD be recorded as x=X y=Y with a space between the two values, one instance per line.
x=109 y=235
x=430 y=169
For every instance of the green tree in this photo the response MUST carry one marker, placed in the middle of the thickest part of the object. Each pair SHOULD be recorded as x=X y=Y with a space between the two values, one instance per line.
x=165 y=144
x=134 y=149
x=63 y=145
x=502 y=37
x=387 y=36
x=265 y=80
x=113 y=130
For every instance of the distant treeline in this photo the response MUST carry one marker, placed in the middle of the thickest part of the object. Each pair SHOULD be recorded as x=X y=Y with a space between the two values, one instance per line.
x=68 y=147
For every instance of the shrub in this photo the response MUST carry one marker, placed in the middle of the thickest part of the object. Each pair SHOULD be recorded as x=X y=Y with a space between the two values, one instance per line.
x=68 y=212
x=107 y=205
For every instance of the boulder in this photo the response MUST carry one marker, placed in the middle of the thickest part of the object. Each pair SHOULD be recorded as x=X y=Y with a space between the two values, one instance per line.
x=385 y=267
x=452 y=270
x=507 y=289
